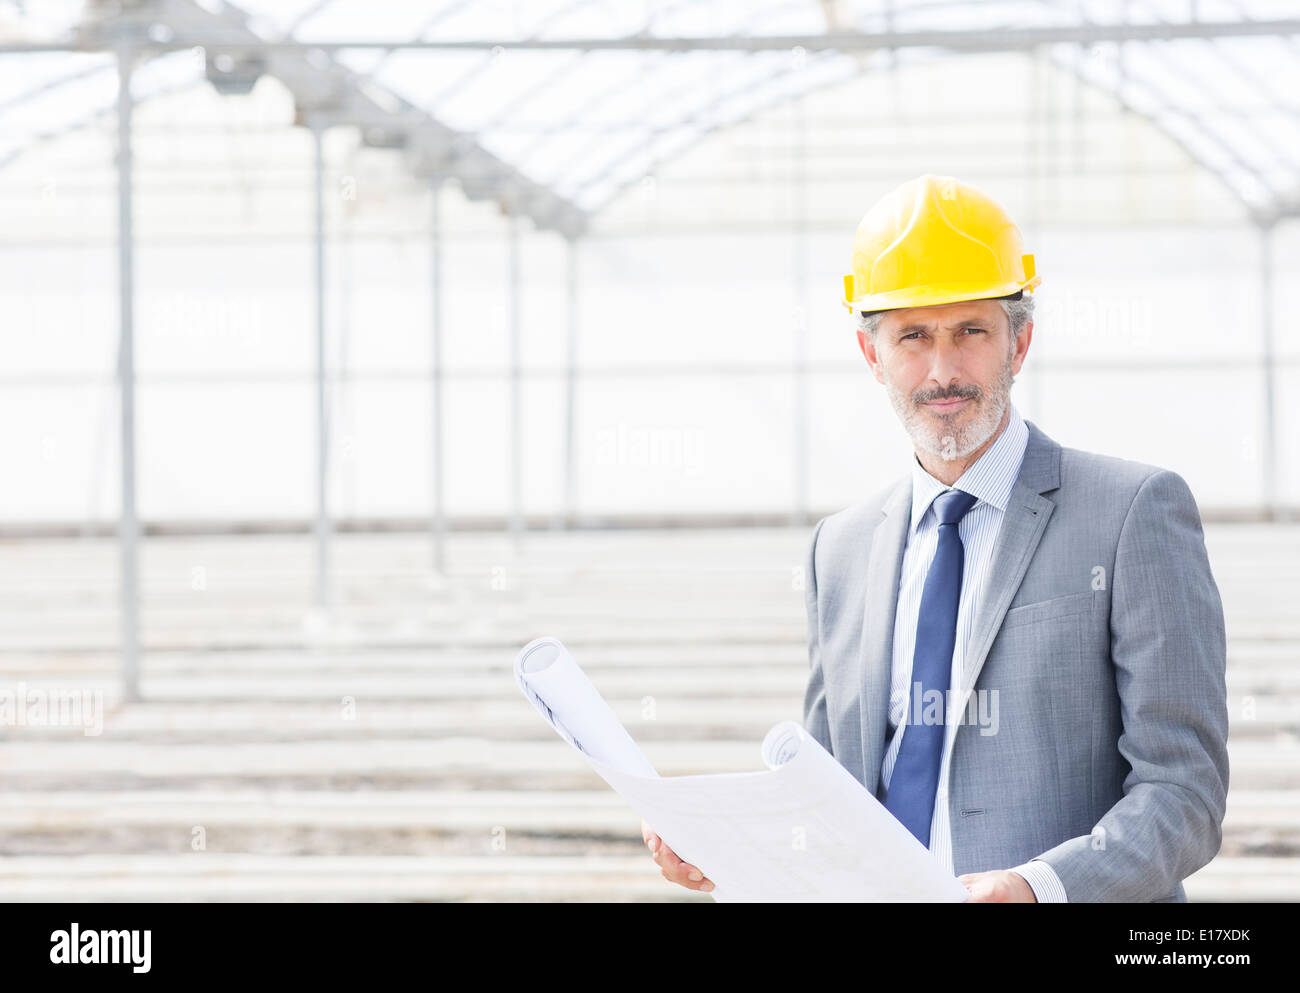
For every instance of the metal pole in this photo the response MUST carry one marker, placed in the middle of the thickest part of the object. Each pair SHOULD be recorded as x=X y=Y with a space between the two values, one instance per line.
x=340 y=391
x=970 y=39
x=516 y=406
x=438 y=523
x=322 y=410
x=128 y=522
x=799 y=278
x=1035 y=67
x=570 y=389
x=1268 y=443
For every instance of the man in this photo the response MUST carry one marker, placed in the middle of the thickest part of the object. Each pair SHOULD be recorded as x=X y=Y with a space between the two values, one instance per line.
x=1065 y=595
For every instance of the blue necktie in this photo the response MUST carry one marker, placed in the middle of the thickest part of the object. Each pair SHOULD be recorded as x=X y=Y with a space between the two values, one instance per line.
x=915 y=778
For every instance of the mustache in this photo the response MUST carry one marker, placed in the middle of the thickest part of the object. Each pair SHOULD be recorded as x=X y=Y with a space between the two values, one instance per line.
x=953 y=393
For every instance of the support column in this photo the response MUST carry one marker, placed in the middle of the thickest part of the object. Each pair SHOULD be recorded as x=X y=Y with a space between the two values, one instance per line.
x=1268 y=440
x=438 y=522
x=322 y=408
x=128 y=522
x=570 y=511
x=800 y=425
x=516 y=400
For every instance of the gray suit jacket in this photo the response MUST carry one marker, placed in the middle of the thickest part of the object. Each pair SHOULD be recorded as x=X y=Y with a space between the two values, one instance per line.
x=1101 y=630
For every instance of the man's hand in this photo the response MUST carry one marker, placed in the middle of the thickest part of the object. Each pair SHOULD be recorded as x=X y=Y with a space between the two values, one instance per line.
x=999 y=886
x=671 y=867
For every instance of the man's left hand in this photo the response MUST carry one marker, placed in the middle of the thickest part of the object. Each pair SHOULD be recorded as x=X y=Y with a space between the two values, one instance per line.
x=999 y=886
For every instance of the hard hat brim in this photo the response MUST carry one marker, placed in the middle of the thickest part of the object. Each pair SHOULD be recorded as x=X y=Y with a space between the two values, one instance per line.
x=933 y=296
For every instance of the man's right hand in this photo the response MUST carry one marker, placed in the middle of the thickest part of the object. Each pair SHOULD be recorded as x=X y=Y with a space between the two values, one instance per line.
x=671 y=867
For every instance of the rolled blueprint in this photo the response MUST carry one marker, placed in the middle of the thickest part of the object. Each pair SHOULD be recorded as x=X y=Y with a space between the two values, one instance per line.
x=805 y=830
x=563 y=694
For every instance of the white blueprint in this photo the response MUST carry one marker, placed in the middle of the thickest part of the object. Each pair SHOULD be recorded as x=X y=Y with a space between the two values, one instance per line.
x=803 y=830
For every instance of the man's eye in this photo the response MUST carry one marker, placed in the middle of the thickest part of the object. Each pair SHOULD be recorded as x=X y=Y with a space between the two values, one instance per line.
x=976 y=330
x=912 y=335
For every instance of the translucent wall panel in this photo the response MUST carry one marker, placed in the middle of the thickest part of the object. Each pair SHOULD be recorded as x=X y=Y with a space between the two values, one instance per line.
x=1203 y=424
x=669 y=420
x=675 y=445
x=60 y=453
x=223 y=309
x=225 y=450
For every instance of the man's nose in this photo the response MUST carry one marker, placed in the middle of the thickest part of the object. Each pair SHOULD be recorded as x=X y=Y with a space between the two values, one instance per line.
x=945 y=363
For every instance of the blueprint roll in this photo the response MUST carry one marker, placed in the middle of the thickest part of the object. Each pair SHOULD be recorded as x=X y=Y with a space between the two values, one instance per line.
x=802 y=830
x=782 y=743
x=562 y=693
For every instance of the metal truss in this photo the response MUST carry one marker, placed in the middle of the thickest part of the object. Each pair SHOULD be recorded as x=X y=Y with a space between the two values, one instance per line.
x=328 y=94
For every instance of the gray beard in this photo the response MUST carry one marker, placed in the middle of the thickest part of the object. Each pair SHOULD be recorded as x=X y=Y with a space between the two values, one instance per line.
x=950 y=442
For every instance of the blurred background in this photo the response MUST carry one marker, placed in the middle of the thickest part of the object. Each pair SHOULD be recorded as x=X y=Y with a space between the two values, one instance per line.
x=349 y=346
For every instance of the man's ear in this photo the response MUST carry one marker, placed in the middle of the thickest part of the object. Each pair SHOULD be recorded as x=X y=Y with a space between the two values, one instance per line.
x=869 y=353
x=1022 y=348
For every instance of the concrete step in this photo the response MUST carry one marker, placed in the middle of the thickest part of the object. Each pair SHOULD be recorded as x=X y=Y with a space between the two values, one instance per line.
x=219 y=876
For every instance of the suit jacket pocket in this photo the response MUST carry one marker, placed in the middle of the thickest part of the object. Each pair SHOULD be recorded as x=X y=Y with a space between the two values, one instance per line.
x=1041 y=610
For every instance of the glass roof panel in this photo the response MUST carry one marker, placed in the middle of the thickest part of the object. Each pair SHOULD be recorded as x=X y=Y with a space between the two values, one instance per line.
x=43 y=94
x=589 y=123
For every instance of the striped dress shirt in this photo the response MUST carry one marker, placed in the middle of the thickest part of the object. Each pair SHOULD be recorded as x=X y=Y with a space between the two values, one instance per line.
x=990 y=479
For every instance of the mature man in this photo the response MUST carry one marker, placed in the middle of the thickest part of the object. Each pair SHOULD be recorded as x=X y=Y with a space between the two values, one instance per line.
x=1064 y=593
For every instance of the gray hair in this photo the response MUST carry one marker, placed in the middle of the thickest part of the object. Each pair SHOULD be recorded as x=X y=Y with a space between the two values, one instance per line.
x=1019 y=313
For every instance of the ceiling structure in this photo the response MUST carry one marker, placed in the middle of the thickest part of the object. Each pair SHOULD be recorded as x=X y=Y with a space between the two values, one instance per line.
x=556 y=108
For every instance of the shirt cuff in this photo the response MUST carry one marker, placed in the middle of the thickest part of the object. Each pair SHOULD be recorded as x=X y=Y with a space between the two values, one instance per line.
x=1043 y=880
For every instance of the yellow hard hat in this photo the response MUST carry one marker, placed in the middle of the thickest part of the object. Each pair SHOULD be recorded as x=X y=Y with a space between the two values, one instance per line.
x=935 y=240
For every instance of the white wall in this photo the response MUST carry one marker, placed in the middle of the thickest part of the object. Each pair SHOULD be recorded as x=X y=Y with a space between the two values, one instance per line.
x=225 y=341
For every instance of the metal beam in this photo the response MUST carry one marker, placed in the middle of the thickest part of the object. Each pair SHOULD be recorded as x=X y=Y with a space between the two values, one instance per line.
x=516 y=387
x=1268 y=442
x=982 y=39
x=322 y=408
x=570 y=512
x=128 y=522
x=438 y=521
x=330 y=94
x=801 y=422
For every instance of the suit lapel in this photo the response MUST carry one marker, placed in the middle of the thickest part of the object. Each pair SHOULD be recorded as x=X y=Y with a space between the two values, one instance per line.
x=887 y=544
x=1022 y=528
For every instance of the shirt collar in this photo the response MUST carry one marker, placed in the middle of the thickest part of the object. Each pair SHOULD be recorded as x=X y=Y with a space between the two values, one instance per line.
x=990 y=478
